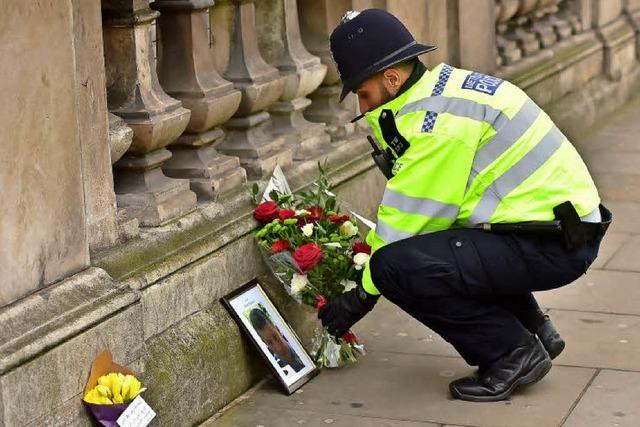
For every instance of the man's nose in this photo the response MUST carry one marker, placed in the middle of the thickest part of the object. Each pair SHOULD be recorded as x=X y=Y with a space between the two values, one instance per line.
x=364 y=105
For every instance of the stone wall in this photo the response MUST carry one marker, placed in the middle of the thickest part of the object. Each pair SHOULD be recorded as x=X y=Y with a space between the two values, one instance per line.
x=131 y=131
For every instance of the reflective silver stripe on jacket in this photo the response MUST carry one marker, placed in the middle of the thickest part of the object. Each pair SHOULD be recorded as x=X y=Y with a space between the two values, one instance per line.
x=390 y=234
x=506 y=136
x=508 y=131
x=418 y=205
x=516 y=175
x=458 y=107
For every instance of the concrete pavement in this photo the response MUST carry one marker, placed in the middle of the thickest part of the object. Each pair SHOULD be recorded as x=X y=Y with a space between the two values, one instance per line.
x=403 y=380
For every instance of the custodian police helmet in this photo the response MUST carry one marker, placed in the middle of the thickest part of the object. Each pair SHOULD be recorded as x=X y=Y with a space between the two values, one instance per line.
x=368 y=42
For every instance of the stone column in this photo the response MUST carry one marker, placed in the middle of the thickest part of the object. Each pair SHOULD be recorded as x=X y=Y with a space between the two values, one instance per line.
x=249 y=131
x=187 y=73
x=43 y=217
x=543 y=27
x=617 y=35
x=91 y=101
x=134 y=93
x=508 y=50
x=318 y=18
x=475 y=43
x=281 y=45
x=521 y=31
x=633 y=10
x=120 y=138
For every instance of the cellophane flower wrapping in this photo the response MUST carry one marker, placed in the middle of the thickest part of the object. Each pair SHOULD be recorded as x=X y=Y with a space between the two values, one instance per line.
x=314 y=248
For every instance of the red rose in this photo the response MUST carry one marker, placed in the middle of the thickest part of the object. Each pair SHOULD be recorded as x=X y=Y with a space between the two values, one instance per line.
x=361 y=247
x=320 y=301
x=280 y=246
x=350 y=338
x=315 y=214
x=339 y=219
x=286 y=214
x=307 y=256
x=266 y=212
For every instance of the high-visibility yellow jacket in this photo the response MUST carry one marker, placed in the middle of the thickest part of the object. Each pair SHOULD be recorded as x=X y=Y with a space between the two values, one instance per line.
x=480 y=150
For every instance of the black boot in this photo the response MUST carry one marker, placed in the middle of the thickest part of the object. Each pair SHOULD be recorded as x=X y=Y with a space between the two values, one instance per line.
x=526 y=364
x=540 y=324
x=550 y=338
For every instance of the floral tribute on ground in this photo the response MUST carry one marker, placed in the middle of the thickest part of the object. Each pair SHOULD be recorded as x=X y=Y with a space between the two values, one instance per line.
x=315 y=251
x=110 y=390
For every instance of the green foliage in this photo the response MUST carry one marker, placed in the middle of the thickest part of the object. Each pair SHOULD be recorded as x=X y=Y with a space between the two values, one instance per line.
x=254 y=193
x=328 y=277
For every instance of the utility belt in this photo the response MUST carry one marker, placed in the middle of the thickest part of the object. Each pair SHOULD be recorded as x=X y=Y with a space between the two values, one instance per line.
x=567 y=224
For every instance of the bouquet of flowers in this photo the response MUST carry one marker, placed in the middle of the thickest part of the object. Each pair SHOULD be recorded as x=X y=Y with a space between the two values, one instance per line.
x=315 y=251
x=109 y=390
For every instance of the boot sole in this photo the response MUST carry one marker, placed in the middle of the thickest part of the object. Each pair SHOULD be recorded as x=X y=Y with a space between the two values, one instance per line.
x=533 y=376
x=555 y=350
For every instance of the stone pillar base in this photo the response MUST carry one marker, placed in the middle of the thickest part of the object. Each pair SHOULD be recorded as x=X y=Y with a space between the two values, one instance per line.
x=619 y=39
x=128 y=228
x=210 y=173
x=249 y=139
x=325 y=108
x=635 y=23
x=307 y=139
x=562 y=27
x=146 y=193
x=545 y=33
x=527 y=42
x=508 y=50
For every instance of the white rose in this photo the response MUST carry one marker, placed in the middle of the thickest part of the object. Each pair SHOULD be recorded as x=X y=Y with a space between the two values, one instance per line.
x=307 y=229
x=348 y=285
x=302 y=212
x=360 y=259
x=298 y=283
x=348 y=229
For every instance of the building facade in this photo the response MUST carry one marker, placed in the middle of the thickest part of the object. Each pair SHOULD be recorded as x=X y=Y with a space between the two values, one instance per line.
x=130 y=133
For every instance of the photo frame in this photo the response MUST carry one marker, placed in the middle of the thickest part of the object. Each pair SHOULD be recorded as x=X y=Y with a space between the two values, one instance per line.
x=271 y=335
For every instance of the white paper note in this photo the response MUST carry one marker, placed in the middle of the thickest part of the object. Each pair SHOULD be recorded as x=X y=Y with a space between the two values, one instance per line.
x=365 y=221
x=277 y=182
x=138 y=414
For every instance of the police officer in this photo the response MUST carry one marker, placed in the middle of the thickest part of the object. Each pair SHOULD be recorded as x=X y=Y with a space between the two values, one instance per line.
x=465 y=155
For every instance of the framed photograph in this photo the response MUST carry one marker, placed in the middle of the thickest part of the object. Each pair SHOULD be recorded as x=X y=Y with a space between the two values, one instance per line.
x=272 y=336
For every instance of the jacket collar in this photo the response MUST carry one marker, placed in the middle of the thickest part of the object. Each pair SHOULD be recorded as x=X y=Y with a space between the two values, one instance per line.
x=418 y=77
x=418 y=71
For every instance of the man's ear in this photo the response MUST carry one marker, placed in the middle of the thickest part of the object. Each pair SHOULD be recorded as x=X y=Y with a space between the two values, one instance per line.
x=393 y=79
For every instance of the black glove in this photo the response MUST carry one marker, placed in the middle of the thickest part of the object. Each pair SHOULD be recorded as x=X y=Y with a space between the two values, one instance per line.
x=345 y=310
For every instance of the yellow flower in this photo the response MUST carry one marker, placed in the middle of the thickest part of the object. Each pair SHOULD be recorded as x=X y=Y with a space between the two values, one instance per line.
x=131 y=387
x=93 y=396
x=103 y=390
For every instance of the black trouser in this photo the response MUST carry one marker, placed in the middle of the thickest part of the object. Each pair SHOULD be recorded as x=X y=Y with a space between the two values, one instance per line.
x=469 y=285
